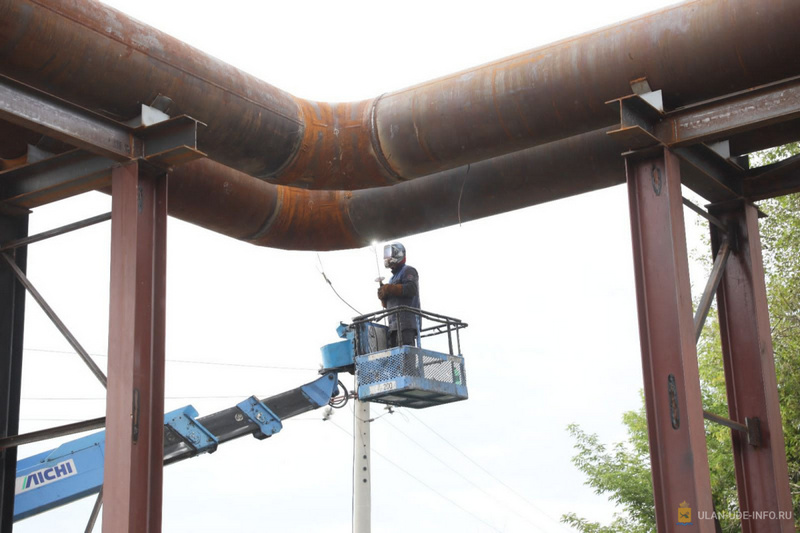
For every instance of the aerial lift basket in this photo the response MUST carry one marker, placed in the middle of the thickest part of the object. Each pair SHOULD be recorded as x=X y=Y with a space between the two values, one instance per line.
x=407 y=376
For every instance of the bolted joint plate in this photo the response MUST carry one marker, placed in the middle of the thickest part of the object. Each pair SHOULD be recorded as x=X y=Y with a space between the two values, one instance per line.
x=261 y=415
x=183 y=422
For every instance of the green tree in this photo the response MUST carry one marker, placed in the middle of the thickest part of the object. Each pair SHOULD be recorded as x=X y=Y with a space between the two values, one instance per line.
x=622 y=471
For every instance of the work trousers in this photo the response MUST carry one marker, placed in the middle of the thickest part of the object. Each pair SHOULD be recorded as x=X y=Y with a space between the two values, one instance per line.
x=408 y=338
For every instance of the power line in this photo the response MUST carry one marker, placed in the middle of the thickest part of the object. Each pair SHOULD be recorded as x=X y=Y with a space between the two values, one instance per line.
x=465 y=478
x=95 y=398
x=188 y=361
x=511 y=489
x=415 y=478
x=26 y=419
x=241 y=365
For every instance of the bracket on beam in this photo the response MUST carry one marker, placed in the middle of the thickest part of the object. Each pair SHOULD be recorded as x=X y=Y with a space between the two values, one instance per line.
x=35 y=154
x=776 y=179
x=751 y=428
x=698 y=134
x=168 y=143
x=148 y=117
x=152 y=136
x=716 y=179
x=714 y=120
x=641 y=87
x=33 y=109
x=267 y=421
x=183 y=422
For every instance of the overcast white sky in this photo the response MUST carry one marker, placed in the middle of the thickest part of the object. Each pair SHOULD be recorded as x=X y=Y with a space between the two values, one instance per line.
x=548 y=292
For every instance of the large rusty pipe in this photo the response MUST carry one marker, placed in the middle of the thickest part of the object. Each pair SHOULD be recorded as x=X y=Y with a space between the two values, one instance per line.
x=232 y=203
x=93 y=55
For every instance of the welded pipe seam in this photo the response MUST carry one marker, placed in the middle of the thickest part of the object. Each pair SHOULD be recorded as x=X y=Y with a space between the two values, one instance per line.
x=376 y=141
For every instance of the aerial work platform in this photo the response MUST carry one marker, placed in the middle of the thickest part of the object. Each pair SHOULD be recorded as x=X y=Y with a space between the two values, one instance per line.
x=405 y=376
x=76 y=469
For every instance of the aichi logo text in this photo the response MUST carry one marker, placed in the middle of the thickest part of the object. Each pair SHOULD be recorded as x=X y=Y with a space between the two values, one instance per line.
x=45 y=476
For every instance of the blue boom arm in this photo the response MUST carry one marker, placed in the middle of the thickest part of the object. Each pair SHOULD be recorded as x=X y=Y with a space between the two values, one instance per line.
x=75 y=469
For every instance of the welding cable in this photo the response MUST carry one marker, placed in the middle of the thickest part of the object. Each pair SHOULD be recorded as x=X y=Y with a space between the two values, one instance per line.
x=322 y=271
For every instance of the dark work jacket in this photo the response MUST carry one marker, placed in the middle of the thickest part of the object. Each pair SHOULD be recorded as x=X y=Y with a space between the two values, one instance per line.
x=406 y=276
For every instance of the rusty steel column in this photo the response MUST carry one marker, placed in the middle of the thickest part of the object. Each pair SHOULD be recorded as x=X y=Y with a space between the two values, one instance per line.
x=12 y=316
x=135 y=405
x=678 y=454
x=761 y=472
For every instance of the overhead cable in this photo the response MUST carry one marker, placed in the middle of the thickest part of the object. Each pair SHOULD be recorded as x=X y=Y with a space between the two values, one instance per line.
x=190 y=362
x=465 y=478
x=415 y=478
x=470 y=459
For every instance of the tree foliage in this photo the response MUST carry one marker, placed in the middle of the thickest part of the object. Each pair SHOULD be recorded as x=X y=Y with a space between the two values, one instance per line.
x=631 y=491
x=622 y=471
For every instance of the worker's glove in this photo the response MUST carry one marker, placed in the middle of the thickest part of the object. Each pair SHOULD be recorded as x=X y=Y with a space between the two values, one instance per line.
x=392 y=289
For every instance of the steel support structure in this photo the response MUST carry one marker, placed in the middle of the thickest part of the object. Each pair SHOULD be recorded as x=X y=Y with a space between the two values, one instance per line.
x=761 y=471
x=132 y=488
x=12 y=314
x=678 y=454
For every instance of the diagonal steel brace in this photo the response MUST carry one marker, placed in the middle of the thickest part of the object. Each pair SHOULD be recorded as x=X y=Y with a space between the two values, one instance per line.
x=23 y=279
x=704 y=306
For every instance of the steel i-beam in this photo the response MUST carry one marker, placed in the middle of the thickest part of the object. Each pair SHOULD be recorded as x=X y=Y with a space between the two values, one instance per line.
x=12 y=313
x=679 y=459
x=135 y=403
x=761 y=471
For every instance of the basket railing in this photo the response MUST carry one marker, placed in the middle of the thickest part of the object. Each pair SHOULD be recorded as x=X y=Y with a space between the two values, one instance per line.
x=428 y=324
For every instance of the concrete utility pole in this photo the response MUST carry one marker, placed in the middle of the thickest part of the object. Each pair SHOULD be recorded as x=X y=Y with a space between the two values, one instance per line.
x=361 y=469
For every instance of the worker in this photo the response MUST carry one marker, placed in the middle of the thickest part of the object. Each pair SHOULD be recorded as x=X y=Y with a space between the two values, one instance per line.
x=402 y=290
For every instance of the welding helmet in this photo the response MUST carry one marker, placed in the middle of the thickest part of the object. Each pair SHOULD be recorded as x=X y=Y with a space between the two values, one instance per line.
x=394 y=254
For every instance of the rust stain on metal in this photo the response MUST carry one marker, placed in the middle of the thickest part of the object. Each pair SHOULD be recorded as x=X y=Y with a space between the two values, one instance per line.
x=336 y=149
x=65 y=44
x=262 y=130
x=415 y=123
x=220 y=198
x=309 y=220
x=736 y=47
x=6 y=164
x=497 y=108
